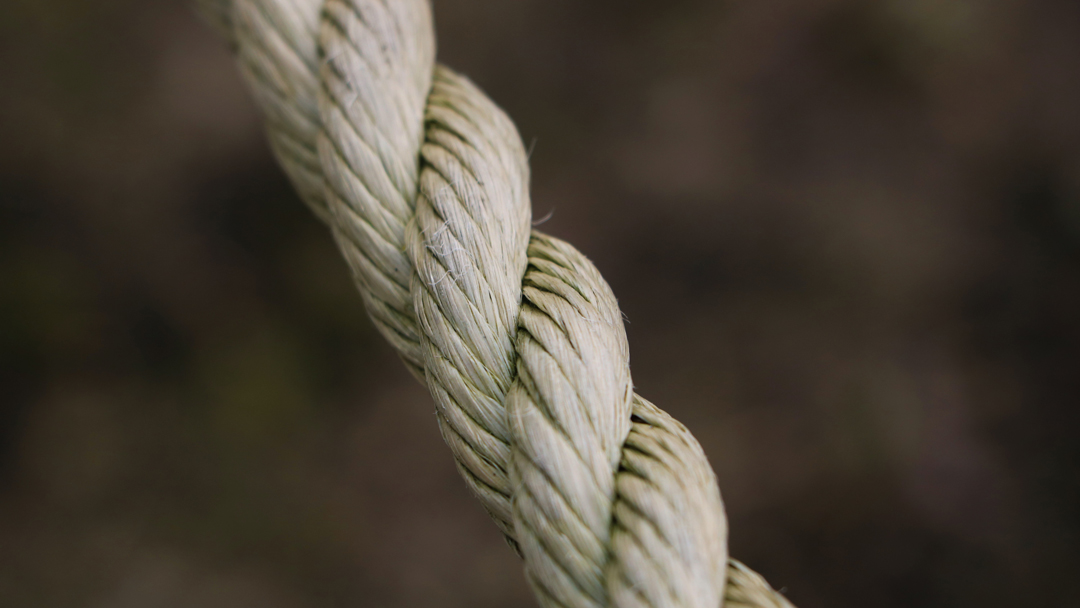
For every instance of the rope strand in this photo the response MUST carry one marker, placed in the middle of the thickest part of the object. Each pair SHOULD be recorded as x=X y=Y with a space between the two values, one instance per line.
x=424 y=183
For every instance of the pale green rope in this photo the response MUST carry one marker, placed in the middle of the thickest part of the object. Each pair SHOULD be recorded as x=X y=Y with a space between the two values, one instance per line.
x=425 y=185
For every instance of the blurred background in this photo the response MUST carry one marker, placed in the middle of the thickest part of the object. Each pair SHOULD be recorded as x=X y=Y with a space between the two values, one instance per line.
x=846 y=235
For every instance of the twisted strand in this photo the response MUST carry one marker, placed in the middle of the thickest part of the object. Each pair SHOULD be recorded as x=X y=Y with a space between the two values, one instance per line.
x=376 y=75
x=424 y=184
x=748 y=589
x=467 y=244
x=570 y=414
x=669 y=531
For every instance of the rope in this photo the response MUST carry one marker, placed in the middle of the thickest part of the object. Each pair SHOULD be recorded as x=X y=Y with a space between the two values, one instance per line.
x=424 y=183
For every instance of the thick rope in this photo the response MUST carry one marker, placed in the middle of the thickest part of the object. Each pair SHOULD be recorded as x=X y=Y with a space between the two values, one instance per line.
x=424 y=183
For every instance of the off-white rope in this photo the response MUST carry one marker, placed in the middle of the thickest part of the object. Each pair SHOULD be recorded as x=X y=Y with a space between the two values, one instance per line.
x=424 y=183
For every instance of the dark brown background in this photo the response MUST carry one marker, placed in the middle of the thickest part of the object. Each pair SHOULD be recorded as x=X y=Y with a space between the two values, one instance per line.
x=846 y=234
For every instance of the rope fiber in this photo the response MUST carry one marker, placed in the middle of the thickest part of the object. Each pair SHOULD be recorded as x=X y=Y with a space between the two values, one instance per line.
x=424 y=183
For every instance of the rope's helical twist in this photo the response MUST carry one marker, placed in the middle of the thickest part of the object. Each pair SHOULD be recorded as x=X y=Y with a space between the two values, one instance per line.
x=425 y=185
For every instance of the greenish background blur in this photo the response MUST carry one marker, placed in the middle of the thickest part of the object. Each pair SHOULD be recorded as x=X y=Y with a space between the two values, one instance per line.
x=846 y=235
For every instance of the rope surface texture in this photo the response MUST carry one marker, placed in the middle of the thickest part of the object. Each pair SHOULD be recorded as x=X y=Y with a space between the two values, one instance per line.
x=424 y=183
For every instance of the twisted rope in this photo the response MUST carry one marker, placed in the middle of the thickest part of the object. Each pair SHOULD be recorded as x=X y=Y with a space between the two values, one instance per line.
x=424 y=183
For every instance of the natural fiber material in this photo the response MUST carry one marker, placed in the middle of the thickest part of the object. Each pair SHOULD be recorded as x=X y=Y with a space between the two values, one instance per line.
x=425 y=185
